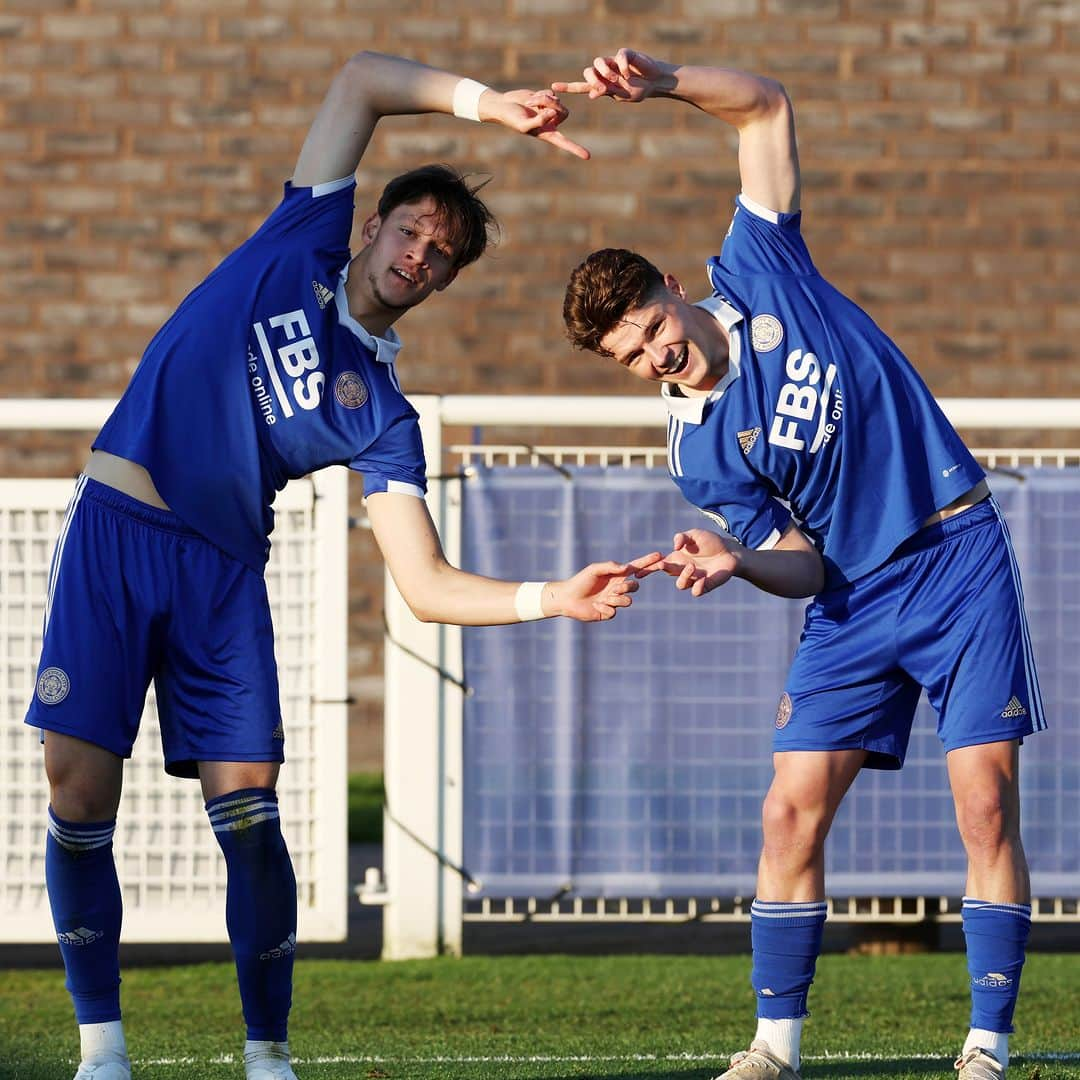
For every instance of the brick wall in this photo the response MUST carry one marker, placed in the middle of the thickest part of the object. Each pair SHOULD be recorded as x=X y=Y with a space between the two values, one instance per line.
x=141 y=139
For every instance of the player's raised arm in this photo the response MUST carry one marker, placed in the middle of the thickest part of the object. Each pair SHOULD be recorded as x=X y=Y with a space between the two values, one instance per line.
x=372 y=85
x=438 y=592
x=757 y=106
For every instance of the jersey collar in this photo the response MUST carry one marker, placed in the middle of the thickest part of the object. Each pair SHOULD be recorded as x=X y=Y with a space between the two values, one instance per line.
x=692 y=409
x=384 y=348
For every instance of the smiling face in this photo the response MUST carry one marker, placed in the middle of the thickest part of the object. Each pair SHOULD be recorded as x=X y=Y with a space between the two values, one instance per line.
x=669 y=340
x=406 y=257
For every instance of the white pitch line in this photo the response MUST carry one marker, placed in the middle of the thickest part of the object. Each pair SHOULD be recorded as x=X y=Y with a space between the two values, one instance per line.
x=584 y=1059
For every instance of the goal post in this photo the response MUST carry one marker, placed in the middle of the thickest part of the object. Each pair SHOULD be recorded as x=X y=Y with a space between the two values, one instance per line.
x=430 y=890
x=170 y=868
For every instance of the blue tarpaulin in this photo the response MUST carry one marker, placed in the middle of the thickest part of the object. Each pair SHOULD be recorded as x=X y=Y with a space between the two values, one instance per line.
x=629 y=758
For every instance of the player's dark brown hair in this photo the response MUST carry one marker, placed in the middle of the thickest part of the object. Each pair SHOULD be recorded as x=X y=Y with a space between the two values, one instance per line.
x=607 y=285
x=470 y=225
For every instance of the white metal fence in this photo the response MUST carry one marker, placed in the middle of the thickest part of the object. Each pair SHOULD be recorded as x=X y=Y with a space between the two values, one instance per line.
x=170 y=868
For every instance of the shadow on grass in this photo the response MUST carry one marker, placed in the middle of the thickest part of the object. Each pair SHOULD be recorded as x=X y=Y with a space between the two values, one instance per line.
x=898 y=1066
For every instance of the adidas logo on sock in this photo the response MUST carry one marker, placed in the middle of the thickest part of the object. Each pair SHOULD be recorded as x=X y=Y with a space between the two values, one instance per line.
x=993 y=979
x=1014 y=708
x=82 y=936
x=322 y=294
x=287 y=947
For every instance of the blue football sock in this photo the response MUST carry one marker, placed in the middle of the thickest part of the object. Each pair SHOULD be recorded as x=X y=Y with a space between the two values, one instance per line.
x=786 y=940
x=996 y=935
x=84 y=894
x=260 y=906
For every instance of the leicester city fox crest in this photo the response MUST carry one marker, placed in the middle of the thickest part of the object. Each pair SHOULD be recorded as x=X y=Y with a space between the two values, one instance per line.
x=350 y=390
x=766 y=333
x=52 y=686
x=783 y=711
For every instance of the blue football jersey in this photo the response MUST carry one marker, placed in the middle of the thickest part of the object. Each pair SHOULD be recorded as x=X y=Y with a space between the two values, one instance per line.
x=262 y=375
x=819 y=417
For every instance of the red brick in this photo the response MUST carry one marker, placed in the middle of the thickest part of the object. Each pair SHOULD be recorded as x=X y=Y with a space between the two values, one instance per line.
x=932 y=35
x=78 y=199
x=68 y=27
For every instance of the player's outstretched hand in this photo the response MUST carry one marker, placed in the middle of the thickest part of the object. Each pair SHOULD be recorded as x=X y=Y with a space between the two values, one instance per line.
x=627 y=76
x=538 y=113
x=701 y=560
x=597 y=592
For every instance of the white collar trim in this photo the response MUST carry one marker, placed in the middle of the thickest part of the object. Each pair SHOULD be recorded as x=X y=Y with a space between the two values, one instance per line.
x=384 y=348
x=693 y=408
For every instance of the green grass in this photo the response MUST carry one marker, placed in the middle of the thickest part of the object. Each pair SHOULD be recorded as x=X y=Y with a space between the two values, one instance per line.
x=551 y=1017
x=365 y=808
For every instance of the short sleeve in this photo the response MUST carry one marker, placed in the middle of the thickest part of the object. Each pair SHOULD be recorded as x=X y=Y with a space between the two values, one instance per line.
x=321 y=216
x=716 y=476
x=395 y=461
x=763 y=241
x=755 y=518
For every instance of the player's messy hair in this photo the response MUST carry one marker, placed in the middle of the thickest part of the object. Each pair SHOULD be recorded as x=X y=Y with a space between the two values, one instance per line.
x=469 y=224
x=607 y=285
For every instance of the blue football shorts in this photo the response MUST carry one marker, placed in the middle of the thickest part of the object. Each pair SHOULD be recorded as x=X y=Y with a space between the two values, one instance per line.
x=135 y=595
x=944 y=614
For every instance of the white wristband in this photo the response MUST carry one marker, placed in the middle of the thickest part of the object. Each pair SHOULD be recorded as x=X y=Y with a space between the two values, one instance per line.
x=467 y=99
x=529 y=601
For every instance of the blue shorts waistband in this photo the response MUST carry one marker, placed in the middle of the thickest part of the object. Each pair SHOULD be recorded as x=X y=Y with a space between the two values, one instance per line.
x=930 y=535
x=122 y=503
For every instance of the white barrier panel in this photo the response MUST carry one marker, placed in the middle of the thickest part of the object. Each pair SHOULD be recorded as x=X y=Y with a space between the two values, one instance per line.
x=170 y=868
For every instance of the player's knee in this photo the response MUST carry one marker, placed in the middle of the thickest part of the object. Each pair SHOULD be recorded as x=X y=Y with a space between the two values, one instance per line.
x=80 y=799
x=788 y=824
x=986 y=820
x=83 y=787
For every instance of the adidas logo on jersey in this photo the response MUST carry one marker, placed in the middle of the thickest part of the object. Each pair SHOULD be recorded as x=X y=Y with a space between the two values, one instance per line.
x=747 y=439
x=322 y=294
x=278 y=732
x=1014 y=708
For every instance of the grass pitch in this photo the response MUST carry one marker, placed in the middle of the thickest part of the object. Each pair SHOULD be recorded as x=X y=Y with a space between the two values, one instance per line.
x=550 y=1017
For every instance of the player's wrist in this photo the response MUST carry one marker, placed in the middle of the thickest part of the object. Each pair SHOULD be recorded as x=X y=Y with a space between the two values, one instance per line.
x=466 y=99
x=529 y=601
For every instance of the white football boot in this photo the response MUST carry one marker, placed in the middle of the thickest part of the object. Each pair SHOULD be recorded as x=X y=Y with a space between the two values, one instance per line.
x=978 y=1064
x=759 y=1063
x=269 y=1061
x=105 y=1065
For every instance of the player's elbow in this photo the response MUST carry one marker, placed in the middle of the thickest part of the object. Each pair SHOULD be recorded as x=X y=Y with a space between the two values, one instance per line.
x=773 y=103
x=359 y=74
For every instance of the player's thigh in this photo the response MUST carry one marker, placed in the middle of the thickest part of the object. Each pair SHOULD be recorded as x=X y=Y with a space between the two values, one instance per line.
x=985 y=783
x=223 y=777
x=967 y=639
x=810 y=784
x=218 y=688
